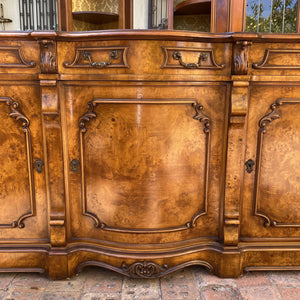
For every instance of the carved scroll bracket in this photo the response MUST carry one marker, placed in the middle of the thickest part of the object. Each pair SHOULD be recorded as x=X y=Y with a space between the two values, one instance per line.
x=53 y=154
x=235 y=161
x=240 y=57
x=48 y=56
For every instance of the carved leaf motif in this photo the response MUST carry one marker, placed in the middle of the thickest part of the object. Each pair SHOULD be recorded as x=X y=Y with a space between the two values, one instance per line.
x=239 y=65
x=241 y=57
x=90 y=114
x=201 y=117
x=144 y=269
x=273 y=115
x=14 y=113
x=48 y=56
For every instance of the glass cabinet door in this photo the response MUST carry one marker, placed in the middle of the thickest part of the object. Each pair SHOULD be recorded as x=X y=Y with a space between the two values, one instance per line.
x=28 y=15
x=276 y=16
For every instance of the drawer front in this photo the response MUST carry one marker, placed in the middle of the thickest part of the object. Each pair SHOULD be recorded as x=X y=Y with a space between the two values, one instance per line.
x=140 y=57
x=274 y=59
x=19 y=57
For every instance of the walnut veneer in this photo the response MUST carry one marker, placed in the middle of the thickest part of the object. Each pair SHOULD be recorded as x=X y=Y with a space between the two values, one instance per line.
x=144 y=152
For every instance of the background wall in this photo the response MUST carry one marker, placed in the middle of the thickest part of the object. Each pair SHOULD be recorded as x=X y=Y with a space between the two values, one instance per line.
x=140 y=14
x=11 y=11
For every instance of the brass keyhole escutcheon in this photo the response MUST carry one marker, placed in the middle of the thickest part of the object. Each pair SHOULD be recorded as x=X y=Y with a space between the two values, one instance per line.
x=249 y=165
x=39 y=165
x=74 y=165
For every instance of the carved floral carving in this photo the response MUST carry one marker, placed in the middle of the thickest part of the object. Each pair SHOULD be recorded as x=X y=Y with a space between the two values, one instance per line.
x=15 y=113
x=144 y=269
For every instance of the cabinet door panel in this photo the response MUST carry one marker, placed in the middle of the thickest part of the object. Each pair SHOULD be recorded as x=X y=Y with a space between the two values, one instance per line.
x=22 y=194
x=145 y=163
x=145 y=175
x=276 y=182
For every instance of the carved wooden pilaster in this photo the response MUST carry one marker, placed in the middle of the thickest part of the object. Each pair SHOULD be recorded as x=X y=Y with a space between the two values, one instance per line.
x=54 y=172
x=48 y=61
x=240 y=57
x=235 y=160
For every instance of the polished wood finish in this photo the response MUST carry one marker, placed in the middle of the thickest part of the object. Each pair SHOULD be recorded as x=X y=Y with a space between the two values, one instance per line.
x=125 y=14
x=144 y=152
x=237 y=15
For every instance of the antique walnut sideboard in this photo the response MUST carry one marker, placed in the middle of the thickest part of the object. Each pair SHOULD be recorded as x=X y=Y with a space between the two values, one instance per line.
x=148 y=151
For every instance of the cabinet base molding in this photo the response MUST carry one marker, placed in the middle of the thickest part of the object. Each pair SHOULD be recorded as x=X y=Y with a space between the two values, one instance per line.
x=226 y=262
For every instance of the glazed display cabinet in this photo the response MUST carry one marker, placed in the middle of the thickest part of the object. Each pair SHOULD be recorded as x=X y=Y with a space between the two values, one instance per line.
x=147 y=151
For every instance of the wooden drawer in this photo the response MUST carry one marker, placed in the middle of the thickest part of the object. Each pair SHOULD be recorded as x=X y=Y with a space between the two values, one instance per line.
x=19 y=57
x=274 y=59
x=144 y=58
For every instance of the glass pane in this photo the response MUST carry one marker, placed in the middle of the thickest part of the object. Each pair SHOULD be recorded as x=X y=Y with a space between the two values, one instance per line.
x=290 y=17
x=28 y=15
x=158 y=18
x=140 y=14
x=276 y=16
x=9 y=15
x=95 y=15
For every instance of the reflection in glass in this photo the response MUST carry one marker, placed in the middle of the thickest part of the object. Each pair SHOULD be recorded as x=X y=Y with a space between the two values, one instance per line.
x=28 y=15
x=158 y=18
x=278 y=16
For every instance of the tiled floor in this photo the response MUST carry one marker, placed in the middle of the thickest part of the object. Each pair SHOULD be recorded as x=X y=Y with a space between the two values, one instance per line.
x=191 y=283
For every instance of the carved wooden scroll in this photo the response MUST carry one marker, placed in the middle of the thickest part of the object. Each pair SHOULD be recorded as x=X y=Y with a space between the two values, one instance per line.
x=240 y=57
x=48 y=56
x=279 y=59
x=145 y=269
x=263 y=126
x=199 y=116
x=12 y=57
x=98 y=57
x=190 y=58
x=16 y=114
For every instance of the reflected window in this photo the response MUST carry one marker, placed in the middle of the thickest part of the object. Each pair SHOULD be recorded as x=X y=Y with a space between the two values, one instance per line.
x=28 y=15
x=277 y=16
x=38 y=14
x=158 y=14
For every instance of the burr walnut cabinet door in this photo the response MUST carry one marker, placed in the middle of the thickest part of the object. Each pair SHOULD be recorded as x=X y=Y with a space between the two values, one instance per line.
x=23 y=204
x=271 y=194
x=145 y=162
